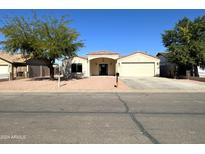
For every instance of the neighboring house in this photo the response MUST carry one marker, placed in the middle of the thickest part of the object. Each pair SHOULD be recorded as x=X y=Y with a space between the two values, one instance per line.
x=37 y=68
x=109 y=63
x=201 y=72
x=13 y=66
x=168 y=69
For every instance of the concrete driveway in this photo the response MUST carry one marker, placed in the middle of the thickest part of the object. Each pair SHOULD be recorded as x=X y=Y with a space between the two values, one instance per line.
x=163 y=84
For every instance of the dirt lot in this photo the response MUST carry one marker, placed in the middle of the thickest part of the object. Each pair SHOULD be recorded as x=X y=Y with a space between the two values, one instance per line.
x=92 y=83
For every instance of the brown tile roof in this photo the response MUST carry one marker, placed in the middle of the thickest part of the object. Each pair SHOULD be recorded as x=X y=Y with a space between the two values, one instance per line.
x=83 y=57
x=103 y=52
x=12 y=58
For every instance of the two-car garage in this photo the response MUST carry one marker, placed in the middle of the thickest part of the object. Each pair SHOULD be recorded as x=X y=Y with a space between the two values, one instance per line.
x=138 y=64
x=137 y=69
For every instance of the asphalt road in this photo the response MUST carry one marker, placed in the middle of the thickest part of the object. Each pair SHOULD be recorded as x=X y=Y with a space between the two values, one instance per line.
x=102 y=118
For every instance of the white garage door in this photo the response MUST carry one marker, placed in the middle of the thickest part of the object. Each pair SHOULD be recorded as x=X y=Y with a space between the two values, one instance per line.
x=136 y=69
x=4 y=71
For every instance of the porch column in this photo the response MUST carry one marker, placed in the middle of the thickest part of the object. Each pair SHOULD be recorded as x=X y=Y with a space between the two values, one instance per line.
x=116 y=67
x=41 y=71
x=11 y=70
x=88 y=67
x=27 y=71
x=16 y=71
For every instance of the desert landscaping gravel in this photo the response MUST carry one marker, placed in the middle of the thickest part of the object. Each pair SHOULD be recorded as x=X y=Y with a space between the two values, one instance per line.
x=91 y=83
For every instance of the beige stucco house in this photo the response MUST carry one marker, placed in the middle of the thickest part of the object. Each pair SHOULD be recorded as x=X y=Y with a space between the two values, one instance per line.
x=110 y=63
x=12 y=65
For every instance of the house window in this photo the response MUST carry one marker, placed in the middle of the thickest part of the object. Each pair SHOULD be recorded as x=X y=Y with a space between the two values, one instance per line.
x=76 y=68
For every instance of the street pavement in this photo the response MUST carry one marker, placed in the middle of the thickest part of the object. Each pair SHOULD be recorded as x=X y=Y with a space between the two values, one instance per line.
x=102 y=118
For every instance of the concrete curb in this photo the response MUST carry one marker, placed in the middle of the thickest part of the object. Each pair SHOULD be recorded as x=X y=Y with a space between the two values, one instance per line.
x=105 y=91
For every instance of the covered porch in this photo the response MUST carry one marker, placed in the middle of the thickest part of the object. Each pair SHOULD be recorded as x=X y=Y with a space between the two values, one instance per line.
x=102 y=66
x=19 y=70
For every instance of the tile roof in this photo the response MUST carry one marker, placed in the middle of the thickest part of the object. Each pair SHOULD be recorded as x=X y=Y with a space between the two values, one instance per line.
x=12 y=58
x=145 y=53
x=83 y=57
x=103 y=52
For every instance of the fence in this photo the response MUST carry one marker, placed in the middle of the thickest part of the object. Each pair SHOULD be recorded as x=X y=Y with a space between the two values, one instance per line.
x=193 y=78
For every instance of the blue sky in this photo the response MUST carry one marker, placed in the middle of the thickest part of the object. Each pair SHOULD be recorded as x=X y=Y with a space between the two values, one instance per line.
x=122 y=31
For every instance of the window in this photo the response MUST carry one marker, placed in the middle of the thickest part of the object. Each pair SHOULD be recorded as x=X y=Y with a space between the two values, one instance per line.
x=79 y=68
x=76 y=68
x=73 y=68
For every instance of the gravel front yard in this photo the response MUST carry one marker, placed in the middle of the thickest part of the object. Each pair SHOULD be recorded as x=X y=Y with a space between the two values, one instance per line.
x=91 y=83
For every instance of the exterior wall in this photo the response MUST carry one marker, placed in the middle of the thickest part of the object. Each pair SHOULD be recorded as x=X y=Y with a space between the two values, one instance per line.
x=38 y=68
x=157 y=68
x=139 y=58
x=38 y=71
x=3 y=62
x=67 y=66
x=114 y=56
x=94 y=66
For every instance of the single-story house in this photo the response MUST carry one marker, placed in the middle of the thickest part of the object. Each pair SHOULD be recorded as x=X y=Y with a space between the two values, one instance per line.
x=13 y=66
x=109 y=63
x=168 y=69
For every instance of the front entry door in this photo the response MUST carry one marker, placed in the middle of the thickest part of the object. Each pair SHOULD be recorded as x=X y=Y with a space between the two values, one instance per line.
x=103 y=69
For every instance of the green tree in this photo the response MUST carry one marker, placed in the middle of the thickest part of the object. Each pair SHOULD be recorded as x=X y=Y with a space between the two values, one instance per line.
x=48 y=38
x=186 y=43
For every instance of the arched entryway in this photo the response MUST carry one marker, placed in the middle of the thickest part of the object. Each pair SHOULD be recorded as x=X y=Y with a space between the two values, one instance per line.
x=102 y=66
